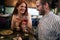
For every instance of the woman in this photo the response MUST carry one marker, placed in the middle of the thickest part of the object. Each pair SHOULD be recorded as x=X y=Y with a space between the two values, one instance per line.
x=20 y=15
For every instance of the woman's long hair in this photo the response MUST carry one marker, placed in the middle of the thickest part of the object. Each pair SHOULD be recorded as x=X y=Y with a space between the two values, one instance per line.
x=19 y=2
x=15 y=12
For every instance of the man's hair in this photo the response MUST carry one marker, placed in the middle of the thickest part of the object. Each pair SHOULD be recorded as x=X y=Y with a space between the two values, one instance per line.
x=51 y=3
x=43 y=2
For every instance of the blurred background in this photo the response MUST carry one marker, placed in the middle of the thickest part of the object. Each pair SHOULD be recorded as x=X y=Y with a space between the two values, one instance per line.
x=7 y=7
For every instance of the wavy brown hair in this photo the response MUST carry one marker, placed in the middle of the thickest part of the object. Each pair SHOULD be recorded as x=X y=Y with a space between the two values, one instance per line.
x=19 y=2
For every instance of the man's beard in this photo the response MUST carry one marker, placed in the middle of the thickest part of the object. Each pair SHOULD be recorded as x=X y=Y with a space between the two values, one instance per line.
x=42 y=11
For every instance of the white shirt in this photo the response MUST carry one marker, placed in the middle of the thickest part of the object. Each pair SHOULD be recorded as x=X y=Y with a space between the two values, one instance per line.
x=49 y=27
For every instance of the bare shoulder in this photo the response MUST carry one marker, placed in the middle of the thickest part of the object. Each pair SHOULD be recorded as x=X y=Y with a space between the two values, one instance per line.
x=29 y=15
x=14 y=17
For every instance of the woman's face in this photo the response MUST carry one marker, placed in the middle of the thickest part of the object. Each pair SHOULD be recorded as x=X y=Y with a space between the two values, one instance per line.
x=21 y=8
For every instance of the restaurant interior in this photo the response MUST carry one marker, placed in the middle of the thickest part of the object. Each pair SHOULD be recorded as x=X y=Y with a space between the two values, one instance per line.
x=6 y=10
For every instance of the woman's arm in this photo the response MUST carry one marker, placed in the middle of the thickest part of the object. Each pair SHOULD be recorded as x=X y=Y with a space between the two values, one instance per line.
x=29 y=21
x=12 y=22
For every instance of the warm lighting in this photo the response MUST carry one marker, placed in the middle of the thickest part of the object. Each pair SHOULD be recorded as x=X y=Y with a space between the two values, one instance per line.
x=33 y=5
x=10 y=2
x=14 y=3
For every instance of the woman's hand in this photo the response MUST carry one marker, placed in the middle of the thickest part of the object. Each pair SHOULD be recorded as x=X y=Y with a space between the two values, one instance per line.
x=24 y=28
x=18 y=19
x=18 y=28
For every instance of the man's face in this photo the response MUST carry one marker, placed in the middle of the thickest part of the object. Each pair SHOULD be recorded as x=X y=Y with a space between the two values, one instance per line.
x=40 y=8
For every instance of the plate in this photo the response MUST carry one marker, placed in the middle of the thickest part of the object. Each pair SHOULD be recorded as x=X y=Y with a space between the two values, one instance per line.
x=6 y=32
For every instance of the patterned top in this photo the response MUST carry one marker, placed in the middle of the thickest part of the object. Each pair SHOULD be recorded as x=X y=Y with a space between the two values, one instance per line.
x=49 y=27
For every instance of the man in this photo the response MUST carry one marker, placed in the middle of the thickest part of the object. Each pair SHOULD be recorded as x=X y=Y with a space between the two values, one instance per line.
x=49 y=24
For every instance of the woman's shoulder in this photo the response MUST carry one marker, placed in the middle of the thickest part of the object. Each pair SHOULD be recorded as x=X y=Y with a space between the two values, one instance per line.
x=13 y=17
x=29 y=14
